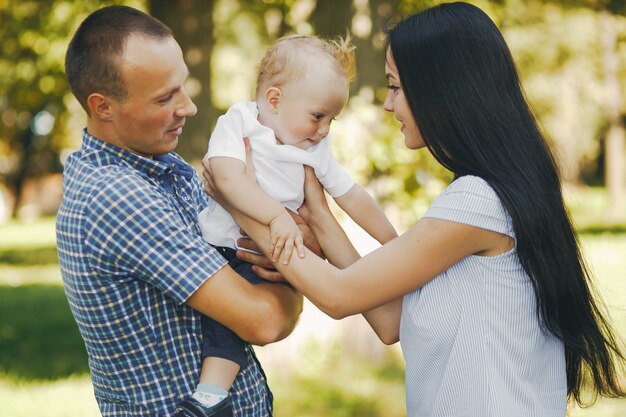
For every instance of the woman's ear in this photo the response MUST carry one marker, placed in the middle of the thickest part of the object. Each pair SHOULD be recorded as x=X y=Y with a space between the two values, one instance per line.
x=272 y=98
x=99 y=106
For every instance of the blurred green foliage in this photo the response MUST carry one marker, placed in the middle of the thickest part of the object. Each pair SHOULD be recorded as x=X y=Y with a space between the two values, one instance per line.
x=36 y=108
x=556 y=45
x=34 y=39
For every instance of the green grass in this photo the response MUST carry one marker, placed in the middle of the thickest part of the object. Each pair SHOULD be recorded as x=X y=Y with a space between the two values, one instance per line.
x=26 y=235
x=333 y=383
x=43 y=368
x=588 y=208
x=68 y=397
x=39 y=338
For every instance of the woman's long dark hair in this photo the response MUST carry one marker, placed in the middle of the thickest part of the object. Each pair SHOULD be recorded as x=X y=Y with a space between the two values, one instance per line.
x=462 y=86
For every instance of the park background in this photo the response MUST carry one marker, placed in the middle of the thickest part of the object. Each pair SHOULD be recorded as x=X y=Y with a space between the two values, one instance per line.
x=572 y=58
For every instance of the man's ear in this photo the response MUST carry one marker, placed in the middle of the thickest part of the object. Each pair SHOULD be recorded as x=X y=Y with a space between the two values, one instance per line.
x=272 y=97
x=99 y=106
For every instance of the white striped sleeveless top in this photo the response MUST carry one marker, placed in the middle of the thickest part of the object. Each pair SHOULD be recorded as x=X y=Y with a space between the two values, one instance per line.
x=471 y=338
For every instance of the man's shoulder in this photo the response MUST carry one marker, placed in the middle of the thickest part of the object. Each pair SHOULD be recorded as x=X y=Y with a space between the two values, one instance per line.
x=99 y=175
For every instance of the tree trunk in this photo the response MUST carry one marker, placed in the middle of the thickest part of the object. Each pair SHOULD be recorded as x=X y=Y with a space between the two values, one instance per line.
x=565 y=132
x=366 y=20
x=192 y=24
x=614 y=143
x=16 y=181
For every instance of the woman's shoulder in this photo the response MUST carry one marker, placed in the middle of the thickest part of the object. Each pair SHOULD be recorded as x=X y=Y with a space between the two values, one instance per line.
x=471 y=200
x=468 y=191
x=471 y=184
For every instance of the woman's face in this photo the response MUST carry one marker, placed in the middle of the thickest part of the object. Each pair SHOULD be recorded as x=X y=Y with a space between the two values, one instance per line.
x=396 y=102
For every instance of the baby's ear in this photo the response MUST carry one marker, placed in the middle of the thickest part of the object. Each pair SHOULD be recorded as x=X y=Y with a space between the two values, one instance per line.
x=272 y=97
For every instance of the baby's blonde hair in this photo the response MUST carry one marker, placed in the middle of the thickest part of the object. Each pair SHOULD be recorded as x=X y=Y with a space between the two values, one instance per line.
x=287 y=59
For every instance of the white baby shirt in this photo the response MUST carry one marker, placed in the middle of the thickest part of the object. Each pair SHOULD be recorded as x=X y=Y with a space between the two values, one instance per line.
x=279 y=168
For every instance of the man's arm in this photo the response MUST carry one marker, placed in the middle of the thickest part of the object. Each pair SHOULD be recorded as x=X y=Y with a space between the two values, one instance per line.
x=259 y=314
x=146 y=238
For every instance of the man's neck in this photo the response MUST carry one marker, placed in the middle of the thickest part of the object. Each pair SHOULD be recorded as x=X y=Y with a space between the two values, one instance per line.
x=106 y=134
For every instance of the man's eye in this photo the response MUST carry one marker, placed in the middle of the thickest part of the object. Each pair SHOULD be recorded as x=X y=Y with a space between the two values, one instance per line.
x=164 y=100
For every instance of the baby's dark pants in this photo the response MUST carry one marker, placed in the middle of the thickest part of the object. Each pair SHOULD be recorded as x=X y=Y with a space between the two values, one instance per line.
x=217 y=339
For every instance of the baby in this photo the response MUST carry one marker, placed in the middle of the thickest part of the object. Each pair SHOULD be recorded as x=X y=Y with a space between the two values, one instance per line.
x=303 y=84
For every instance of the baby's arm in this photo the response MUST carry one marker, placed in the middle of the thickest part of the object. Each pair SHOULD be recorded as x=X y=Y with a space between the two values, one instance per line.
x=364 y=210
x=245 y=194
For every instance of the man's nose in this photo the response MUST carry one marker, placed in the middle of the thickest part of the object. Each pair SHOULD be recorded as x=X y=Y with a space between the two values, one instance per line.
x=187 y=107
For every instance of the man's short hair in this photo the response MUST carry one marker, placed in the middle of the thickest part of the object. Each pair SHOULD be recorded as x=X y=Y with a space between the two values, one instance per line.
x=91 y=62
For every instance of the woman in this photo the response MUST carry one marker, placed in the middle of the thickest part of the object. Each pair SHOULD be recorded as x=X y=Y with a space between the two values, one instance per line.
x=497 y=316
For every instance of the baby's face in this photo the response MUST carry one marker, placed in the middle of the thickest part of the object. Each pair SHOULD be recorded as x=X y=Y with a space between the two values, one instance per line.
x=308 y=106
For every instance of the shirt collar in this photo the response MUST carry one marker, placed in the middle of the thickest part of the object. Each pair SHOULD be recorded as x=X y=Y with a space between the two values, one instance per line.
x=159 y=165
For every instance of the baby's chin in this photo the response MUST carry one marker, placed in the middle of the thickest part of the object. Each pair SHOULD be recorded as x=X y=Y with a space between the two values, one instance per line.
x=307 y=143
x=298 y=143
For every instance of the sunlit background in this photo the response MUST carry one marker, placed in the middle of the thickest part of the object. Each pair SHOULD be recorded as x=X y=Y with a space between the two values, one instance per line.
x=571 y=55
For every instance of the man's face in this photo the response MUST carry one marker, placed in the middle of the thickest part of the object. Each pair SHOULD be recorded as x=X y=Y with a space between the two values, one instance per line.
x=149 y=120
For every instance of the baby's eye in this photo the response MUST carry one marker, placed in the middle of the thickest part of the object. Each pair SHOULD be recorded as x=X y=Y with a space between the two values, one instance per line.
x=393 y=88
x=318 y=116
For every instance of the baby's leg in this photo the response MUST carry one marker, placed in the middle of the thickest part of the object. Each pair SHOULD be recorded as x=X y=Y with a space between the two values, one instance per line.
x=223 y=352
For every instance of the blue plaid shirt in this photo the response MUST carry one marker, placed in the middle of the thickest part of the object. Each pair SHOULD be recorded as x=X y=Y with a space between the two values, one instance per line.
x=131 y=254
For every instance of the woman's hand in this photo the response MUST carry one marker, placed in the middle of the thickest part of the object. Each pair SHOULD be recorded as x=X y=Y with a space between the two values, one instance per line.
x=262 y=265
x=315 y=203
x=328 y=232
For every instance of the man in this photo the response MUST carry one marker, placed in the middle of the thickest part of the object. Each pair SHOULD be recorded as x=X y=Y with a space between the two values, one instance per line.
x=136 y=271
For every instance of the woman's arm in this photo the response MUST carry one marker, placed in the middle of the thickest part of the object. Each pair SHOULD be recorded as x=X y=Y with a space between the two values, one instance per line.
x=384 y=320
x=398 y=267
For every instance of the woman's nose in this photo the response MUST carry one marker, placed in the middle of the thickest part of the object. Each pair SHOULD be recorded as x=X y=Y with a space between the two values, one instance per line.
x=388 y=104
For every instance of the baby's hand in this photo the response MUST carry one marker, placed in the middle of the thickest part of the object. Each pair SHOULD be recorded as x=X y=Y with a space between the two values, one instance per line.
x=284 y=236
